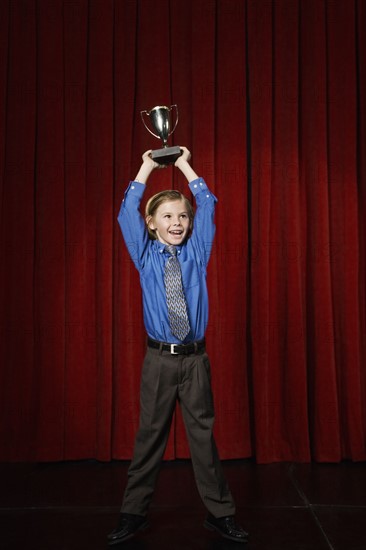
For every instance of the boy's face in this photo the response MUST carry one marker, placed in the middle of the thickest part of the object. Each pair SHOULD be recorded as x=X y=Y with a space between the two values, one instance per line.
x=171 y=222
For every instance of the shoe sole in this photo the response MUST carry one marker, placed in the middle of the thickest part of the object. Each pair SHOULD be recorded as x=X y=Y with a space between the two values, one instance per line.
x=130 y=536
x=211 y=527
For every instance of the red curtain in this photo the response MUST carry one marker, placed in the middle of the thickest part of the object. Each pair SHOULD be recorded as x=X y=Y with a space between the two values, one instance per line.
x=272 y=101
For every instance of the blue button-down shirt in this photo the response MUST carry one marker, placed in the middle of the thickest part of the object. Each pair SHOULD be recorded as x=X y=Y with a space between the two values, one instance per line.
x=149 y=258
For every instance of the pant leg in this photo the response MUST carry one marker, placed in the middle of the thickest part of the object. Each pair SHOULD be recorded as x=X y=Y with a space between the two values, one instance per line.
x=195 y=397
x=157 y=403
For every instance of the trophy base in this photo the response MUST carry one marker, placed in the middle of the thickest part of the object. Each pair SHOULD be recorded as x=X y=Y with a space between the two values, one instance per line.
x=167 y=155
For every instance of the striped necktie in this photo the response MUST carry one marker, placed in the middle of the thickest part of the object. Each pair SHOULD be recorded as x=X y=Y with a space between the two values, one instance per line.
x=176 y=302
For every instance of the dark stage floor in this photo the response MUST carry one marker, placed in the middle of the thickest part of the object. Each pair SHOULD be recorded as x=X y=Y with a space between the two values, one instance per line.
x=73 y=505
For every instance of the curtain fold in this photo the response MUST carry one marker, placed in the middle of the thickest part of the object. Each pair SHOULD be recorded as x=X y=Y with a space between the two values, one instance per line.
x=272 y=104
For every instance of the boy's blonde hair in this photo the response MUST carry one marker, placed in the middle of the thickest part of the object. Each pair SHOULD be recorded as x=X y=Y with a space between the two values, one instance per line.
x=164 y=196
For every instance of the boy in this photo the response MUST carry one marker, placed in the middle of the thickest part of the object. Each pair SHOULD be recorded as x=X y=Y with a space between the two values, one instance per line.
x=171 y=254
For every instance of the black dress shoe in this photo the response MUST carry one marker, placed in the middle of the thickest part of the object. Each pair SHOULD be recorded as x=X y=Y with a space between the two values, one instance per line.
x=128 y=526
x=227 y=528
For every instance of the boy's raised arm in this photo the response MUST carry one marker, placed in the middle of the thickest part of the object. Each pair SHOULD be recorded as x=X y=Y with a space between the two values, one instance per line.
x=183 y=164
x=147 y=166
x=129 y=218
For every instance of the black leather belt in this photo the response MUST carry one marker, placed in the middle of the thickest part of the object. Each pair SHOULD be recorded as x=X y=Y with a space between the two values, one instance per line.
x=178 y=349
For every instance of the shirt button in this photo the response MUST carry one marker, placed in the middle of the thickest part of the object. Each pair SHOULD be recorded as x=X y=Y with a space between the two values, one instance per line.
x=201 y=183
x=195 y=185
x=207 y=196
x=132 y=187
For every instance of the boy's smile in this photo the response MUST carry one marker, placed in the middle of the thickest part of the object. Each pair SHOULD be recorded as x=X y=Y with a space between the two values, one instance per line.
x=171 y=222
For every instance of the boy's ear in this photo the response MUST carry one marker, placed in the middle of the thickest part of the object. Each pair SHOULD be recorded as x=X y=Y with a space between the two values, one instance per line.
x=150 y=222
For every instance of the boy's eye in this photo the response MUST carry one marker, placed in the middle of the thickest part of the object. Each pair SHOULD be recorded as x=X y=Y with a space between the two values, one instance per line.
x=183 y=215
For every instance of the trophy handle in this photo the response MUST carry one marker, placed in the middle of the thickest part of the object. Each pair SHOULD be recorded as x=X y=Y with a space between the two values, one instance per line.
x=148 y=129
x=176 y=118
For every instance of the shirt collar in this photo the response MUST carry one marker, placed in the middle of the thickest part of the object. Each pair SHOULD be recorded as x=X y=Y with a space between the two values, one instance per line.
x=160 y=247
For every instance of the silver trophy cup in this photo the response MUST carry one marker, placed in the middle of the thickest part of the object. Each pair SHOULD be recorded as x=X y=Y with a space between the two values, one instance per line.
x=161 y=121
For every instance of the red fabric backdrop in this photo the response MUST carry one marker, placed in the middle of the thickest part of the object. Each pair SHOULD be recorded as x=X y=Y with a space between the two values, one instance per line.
x=272 y=99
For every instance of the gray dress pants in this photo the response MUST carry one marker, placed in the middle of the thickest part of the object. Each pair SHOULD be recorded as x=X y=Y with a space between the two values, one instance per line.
x=165 y=379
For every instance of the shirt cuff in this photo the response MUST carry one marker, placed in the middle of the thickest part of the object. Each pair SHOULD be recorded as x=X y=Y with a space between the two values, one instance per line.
x=135 y=188
x=198 y=185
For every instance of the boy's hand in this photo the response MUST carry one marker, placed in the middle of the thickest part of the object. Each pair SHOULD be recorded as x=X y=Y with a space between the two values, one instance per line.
x=147 y=166
x=149 y=162
x=185 y=157
x=183 y=164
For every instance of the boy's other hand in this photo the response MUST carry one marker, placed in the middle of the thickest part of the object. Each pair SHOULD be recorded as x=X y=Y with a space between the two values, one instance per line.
x=149 y=162
x=183 y=164
x=147 y=166
x=185 y=157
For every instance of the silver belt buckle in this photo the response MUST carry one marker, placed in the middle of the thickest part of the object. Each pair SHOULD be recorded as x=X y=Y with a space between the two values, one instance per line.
x=172 y=346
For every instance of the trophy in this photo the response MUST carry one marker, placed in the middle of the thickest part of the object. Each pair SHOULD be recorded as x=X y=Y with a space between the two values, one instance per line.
x=160 y=120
